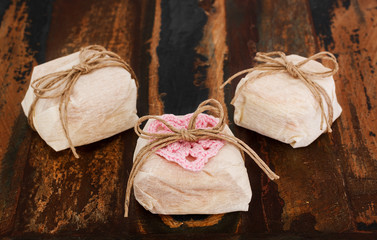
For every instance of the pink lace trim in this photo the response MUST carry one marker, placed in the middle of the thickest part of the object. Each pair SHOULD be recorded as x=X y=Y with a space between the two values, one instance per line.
x=189 y=155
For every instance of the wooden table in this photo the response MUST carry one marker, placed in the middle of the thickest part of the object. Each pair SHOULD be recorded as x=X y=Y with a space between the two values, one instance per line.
x=327 y=190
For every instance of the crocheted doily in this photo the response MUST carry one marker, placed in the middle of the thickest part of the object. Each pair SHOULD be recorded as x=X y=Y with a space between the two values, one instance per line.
x=189 y=155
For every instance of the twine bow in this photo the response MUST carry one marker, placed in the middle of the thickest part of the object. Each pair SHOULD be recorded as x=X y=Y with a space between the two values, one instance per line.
x=161 y=140
x=277 y=62
x=60 y=84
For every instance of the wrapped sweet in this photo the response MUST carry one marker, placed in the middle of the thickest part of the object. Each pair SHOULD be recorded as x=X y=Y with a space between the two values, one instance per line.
x=190 y=164
x=288 y=98
x=81 y=98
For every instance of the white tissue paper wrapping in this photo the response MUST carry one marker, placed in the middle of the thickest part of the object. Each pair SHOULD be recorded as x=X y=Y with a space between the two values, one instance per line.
x=282 y=107
x=102 y=104
x=164 y=187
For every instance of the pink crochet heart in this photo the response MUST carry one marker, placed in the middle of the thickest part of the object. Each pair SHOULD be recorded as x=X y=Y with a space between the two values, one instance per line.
x=189 y=155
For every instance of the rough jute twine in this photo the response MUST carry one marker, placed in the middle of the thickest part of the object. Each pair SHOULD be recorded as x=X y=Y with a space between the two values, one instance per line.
x=277 y=62
x=160 y=140
x=60 y=84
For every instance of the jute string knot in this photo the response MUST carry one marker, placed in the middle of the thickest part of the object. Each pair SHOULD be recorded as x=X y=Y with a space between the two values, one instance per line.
x=277 y=62
x=187 y=135
x=163 y=139
x=292 y=69
x=82 y=68
x=60 y=84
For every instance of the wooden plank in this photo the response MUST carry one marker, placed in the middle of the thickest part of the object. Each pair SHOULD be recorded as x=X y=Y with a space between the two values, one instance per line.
x=348 y=28
x=156 y=106
x=182 y=24
x=23 y=27
x=299 y=201
x=61 y=193
x=205 y=67
x=241 y=39
x=309 y=204
x=213 y=48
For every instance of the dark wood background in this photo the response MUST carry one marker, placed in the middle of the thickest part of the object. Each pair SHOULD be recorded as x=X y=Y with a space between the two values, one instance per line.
x=182 y=51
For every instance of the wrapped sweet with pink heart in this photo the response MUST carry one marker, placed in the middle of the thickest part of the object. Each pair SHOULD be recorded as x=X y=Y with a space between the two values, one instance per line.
x=190 y=164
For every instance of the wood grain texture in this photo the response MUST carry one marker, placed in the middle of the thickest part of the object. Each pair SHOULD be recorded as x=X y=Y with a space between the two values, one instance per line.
x=181 y=52
x=312 y=191
x=183 y=86
x=21 y=32
x=348 y=30
x=213 y=48
x=156 y=106
x=241 y=40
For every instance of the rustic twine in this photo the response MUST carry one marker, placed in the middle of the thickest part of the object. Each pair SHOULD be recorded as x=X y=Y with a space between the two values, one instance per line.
x=160 y=140
x=277 y=62
x=60 y=84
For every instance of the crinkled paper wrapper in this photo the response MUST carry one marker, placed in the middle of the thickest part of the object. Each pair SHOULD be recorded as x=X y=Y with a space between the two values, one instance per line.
x=282 y=107
x=102 y=104
x=222 y=186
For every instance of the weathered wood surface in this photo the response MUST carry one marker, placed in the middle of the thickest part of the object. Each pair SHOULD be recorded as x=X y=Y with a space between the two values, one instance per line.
x=182 y=51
